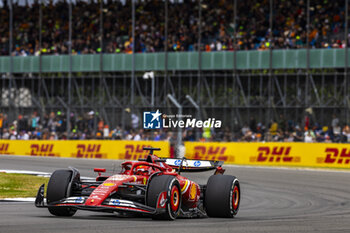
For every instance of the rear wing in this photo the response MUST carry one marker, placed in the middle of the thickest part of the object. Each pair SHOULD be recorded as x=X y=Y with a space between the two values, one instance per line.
x=189 y=165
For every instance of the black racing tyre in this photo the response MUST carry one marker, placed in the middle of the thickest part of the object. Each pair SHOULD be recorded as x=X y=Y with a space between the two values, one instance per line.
x=57 y=190
x=222 y=196
x=169 y=184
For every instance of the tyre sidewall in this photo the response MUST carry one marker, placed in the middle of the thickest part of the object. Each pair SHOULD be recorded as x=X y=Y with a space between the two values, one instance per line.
x=57 y=189
x=232 y=209
x=218 y=200
x=157 y=185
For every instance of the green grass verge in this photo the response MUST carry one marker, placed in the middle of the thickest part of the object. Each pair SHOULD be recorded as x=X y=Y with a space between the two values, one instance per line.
x=19 y=185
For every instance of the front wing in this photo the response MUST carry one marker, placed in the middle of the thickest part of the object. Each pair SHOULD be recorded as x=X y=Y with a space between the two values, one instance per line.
x=110 y=205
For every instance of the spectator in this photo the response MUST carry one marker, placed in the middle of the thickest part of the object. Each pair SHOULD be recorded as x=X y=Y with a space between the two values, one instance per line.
x=189 y=136
x=138 y=137
x=298 y=134
x=51 y=128
x=273 y=128
x=1 y=124
x=252 y=124
x=245 y=129
x=106 y=132
x=346 y=133
x=252 y=27
x=309 y=136
x=335 y=121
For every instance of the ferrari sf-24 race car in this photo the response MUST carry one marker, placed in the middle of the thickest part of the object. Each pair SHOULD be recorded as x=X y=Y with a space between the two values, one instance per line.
x=152 y=186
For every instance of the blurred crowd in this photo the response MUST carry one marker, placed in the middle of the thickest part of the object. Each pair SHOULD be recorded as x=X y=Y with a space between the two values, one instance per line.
x=53 y=126
x=287 y=130
x=252 y=26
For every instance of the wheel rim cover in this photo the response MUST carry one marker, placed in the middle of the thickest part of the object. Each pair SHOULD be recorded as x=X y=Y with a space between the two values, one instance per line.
x=235 y=199
x=175 y=198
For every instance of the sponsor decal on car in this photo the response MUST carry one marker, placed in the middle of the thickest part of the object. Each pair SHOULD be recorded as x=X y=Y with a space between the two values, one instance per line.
x=121 y=177
x=193 y=191
x=108 y=184
x=184 y=187
x=115 y=202
x=197 y=163
x=75 y=200
x=177 y=162
x=162 y=200
x=188 y=163
x=119 y=202
x=118 y=177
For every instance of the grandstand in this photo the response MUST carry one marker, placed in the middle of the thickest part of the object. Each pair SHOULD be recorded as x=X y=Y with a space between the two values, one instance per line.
x=240 y=61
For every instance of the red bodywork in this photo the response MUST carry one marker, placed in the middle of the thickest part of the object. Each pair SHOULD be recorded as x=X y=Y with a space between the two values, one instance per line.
x=151 y=186
x=139 y=173
x=133 y=174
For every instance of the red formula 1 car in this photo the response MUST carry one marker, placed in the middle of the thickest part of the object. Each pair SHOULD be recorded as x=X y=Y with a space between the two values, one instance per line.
x=151 y=186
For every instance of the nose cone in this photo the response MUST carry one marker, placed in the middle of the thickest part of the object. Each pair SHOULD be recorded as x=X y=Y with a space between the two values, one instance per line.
x=106 y=188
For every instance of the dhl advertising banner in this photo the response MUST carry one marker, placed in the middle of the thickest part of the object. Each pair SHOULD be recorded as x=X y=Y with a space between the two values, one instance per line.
x=273 y=154
x=96 y=149
x=266 y=154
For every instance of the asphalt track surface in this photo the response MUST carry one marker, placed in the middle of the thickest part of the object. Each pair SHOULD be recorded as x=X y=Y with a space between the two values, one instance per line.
x=273 y=200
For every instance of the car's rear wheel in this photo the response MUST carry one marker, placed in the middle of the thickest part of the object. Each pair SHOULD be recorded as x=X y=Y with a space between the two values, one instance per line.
x=222 y=196
x=169 y=184
x=57 y=189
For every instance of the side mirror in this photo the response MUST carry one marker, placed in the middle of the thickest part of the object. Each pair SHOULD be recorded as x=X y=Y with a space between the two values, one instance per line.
x=99 y=170
x=219 y=170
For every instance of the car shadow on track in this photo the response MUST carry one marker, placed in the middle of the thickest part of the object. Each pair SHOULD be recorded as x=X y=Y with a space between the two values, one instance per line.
x=99 y=217
x=113 y=217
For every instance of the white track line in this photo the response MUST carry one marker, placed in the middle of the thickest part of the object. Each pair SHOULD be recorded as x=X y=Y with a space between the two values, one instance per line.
x=20 y=199
x=35 y=173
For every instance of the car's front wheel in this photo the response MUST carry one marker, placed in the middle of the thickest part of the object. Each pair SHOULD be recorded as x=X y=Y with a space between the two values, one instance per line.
x=57 y=189
x=161 y=184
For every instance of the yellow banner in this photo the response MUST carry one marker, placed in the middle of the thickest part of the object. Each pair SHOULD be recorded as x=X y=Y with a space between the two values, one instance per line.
x=273 y=154
x=97 y=149
x=266 y=154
